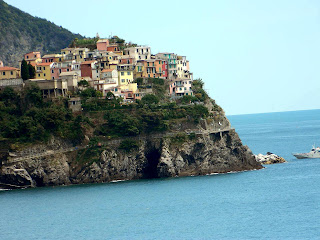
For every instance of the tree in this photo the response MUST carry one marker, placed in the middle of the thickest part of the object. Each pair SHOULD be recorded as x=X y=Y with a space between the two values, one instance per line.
x=83 y=83
x=24 y=70
x=32 y=71
x=149 y=99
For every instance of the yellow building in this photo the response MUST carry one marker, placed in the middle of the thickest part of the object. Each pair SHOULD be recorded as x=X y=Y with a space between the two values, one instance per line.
x=9 y=72
x=139 y=70
x=77 y=54
x=43 y=71
x=125 y=77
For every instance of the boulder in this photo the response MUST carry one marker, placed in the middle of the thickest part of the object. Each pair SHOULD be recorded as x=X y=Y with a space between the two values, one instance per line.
x=269 y=158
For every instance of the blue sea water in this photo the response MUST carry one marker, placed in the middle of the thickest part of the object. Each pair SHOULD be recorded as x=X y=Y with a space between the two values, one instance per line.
x=279 y=202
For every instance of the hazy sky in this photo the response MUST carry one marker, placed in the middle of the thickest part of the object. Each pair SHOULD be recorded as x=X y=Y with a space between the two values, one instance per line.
x=253 y=55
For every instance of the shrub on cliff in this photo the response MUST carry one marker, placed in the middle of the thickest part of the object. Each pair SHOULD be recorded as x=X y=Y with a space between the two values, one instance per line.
x=128 y=145
x=150 y=99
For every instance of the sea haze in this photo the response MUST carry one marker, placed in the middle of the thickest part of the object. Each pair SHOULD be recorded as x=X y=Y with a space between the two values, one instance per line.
x=279 y=202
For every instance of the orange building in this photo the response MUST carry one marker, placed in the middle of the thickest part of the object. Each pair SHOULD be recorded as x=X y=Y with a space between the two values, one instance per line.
x=153 y=68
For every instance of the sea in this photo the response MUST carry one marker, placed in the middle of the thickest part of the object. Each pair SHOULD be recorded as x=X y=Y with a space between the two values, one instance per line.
x=281 y=201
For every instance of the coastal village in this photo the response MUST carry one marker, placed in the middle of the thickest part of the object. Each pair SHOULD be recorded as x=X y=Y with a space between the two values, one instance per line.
x=110 y=67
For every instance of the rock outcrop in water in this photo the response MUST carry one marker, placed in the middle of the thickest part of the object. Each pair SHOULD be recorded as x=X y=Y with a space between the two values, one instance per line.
x=269 y=158
x=203 y=151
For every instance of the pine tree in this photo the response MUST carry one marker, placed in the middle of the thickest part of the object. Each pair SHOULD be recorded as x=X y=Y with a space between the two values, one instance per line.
x=32 y=71
x=24 y=70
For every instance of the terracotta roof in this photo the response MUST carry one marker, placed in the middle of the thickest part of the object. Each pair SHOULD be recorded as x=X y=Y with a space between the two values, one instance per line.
x=8 y=68
x=44 y=64
x=107 y=70
x=87 y=62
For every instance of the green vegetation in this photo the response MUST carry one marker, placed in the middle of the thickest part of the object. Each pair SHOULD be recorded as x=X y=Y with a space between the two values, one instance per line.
x=199 y=92
x=27 y=70
x=90 y=43
x=128 y=145
x=26 y=117
x=32 y=71
x=24 y=70
x=24 y=33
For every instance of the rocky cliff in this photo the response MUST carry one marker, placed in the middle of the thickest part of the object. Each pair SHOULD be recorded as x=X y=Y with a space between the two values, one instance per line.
x=58 y=163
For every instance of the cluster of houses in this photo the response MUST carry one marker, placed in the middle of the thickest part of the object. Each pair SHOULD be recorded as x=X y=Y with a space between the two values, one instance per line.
x=106 y=68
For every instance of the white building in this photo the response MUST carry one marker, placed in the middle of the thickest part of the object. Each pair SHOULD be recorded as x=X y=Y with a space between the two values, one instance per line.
x=138 y=53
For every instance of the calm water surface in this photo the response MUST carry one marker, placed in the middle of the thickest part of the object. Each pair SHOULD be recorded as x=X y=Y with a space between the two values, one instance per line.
x=279 y=202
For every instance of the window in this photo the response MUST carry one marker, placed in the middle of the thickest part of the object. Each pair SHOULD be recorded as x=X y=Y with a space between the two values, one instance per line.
x=122 y=73
x=146 y=57
x=35 y=56
x=11 y=72
x=27 y=57
x=44 y=68
x=128 y=73
x=52 y=71
x=148 y=75
x=44 y=74
x=123 y=80
x=148 y=64
x=3 y=73
x=159 y=62
x=59 y=70
x=38 y=74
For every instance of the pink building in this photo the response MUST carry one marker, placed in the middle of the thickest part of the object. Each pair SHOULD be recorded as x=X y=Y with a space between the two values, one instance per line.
x=180 y=87
x=102 y=44
x=59 y=68
x=32 y=56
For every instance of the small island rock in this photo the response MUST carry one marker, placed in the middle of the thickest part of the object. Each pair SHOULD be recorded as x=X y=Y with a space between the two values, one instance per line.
x=269 y=158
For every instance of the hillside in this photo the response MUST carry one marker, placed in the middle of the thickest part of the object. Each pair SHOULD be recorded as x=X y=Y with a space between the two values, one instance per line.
x=21 y=33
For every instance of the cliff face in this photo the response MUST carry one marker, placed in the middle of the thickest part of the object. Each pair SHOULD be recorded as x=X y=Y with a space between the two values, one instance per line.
x=205 y=153
x=21 y=33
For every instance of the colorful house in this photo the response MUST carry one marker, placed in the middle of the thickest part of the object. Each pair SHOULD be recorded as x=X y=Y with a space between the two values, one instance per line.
x=52 y=58
x=171 y=59
x=33 y=58
x=9 y=73
x=139 y=70
x=77 y=54
x=58 y=68
x=43 y=71
x=138 y=53
x=125 y=72
x=102 y=44
x=108 y=81
x=87 y=67
x=179 y=88
x=154 y=68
